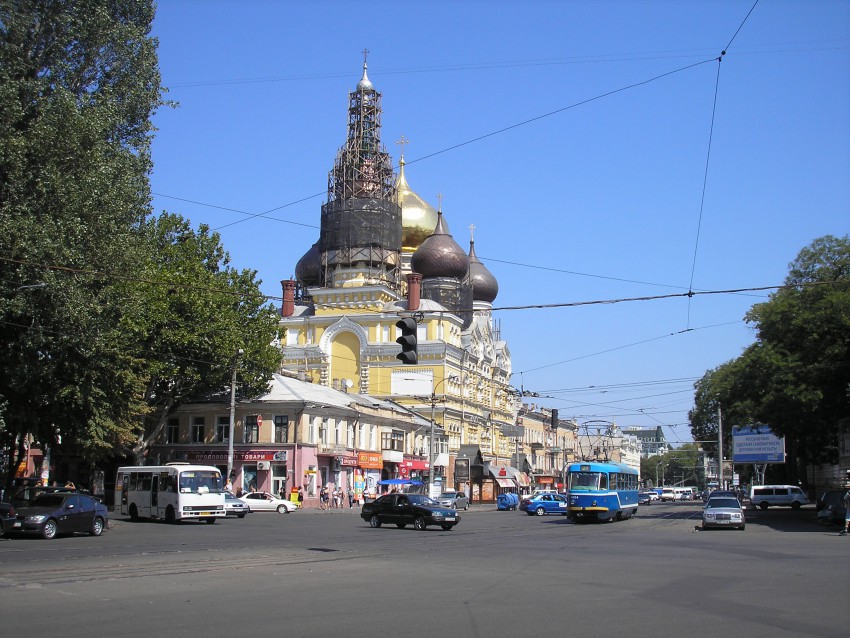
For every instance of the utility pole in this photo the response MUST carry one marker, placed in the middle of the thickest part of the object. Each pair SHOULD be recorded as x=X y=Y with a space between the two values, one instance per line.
x=229 y=478
x=720 y=483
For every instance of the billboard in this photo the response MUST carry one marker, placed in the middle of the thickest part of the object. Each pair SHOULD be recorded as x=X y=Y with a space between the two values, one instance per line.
x=756 y=444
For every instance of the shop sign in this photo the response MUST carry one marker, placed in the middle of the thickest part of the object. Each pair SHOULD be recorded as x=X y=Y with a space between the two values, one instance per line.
x=348 y=461
x=370 y=460
x=238 y=455
x=414 y=464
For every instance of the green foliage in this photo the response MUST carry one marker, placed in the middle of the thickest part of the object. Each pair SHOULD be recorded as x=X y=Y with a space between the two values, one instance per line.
x=796 y=376
x=78 y=83
x=191 y=313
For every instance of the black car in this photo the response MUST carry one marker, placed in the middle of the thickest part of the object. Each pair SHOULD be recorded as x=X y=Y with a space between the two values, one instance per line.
x=644 y=498
x=8 y=518
x=57 y=513
x=408 y=509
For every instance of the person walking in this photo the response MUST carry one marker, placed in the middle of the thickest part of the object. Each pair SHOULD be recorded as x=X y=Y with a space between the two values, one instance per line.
x=846 y=501
x=350 y=498
x=323 y=498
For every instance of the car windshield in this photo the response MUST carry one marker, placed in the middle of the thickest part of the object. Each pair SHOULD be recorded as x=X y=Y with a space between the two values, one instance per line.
x=449 y=495
x=723 y=502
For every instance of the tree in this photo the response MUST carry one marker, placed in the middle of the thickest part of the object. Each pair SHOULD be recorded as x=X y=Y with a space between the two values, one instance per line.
x=796 y=376
x=191 y=313
x=78 y=84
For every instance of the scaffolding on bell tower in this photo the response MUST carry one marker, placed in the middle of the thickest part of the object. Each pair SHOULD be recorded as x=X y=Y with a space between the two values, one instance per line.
x=361 y=221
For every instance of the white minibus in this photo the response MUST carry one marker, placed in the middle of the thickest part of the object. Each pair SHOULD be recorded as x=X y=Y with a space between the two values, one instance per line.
x=172 y=492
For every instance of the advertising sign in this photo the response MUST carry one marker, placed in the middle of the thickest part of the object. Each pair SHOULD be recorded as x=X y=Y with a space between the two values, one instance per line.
x=756 y=444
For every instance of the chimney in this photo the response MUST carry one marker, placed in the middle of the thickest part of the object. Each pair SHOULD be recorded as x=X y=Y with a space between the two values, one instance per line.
x=414 y=282
x=288 y=307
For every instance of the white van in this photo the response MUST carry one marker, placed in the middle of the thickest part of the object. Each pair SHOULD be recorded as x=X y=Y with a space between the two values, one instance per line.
x=676 y=494
x=764 y=496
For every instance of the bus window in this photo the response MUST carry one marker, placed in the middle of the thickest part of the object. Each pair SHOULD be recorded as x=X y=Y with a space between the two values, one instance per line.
x=144 y=484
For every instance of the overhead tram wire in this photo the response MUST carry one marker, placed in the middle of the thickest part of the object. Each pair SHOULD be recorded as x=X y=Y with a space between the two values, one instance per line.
x=708 y=160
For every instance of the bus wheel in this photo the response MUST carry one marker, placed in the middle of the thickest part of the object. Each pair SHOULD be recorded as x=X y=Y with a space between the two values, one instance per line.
x=169 y=515
x=134 y=513
x=211 y=521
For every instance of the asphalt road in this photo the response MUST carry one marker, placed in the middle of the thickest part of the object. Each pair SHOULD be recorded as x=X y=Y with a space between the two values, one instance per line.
x=316 y=573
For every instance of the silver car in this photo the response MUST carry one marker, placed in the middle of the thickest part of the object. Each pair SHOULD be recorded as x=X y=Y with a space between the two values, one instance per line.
x=455 y=500
x=234 y=506
x=723 y=511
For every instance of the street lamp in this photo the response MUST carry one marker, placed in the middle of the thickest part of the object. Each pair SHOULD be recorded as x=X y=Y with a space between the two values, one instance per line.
x=236 y=357
x=431 y=441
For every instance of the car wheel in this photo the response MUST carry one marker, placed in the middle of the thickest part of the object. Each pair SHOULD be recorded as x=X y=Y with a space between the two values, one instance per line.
x=764 y=505
x=419 y=523
x=210 y=521
x=97 y=526
x=240 y=516
x=281 y=509
x=134 y=513
x=170 y=516
x=466 y=507
x=49 y=530
x=540 y=511
x=375 y=521
x=401 y=525
x=795 y=505
x=447 y=527
x=742 y=528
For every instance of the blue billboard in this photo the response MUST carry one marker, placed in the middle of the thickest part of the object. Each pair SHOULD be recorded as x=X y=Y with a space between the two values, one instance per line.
x=756 y=444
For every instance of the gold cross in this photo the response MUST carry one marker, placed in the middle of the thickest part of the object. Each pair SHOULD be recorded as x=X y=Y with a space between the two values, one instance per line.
x=401 y=142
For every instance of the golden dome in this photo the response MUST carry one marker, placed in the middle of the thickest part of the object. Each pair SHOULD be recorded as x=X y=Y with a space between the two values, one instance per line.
x=418 y=218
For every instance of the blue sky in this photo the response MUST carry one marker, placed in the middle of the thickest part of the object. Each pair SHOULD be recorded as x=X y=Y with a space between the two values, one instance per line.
x=599 y=148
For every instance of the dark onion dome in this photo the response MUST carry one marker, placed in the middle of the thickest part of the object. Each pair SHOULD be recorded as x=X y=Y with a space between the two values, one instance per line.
x=484 y=284
x=439 y=255
x=308 y=270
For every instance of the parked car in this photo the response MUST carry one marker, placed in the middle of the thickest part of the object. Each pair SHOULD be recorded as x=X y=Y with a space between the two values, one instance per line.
x=830 y=507
x=645 y=498
x=402 y=510
x=455 y=500
x=8 y=518
x=62 y=513
x=265 y=502
x=723 y=512
x=234 y=506
x=764 y=496
x=653 y=495
x=545 y=504
x=537 y=493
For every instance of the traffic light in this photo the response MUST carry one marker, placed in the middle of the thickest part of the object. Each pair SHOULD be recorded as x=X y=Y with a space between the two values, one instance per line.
x=408 y=354
x=554 y=417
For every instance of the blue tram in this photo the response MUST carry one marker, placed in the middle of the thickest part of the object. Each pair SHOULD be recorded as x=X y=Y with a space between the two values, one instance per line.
x=601 y=491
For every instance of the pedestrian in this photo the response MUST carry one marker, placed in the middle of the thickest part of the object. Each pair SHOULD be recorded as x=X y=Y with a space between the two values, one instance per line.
x=846 y=510
x=337 y=497
x=350 y=498
x=323 y=498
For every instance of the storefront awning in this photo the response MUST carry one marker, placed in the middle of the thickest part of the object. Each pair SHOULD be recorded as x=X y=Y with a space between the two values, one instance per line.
x=506 y=482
